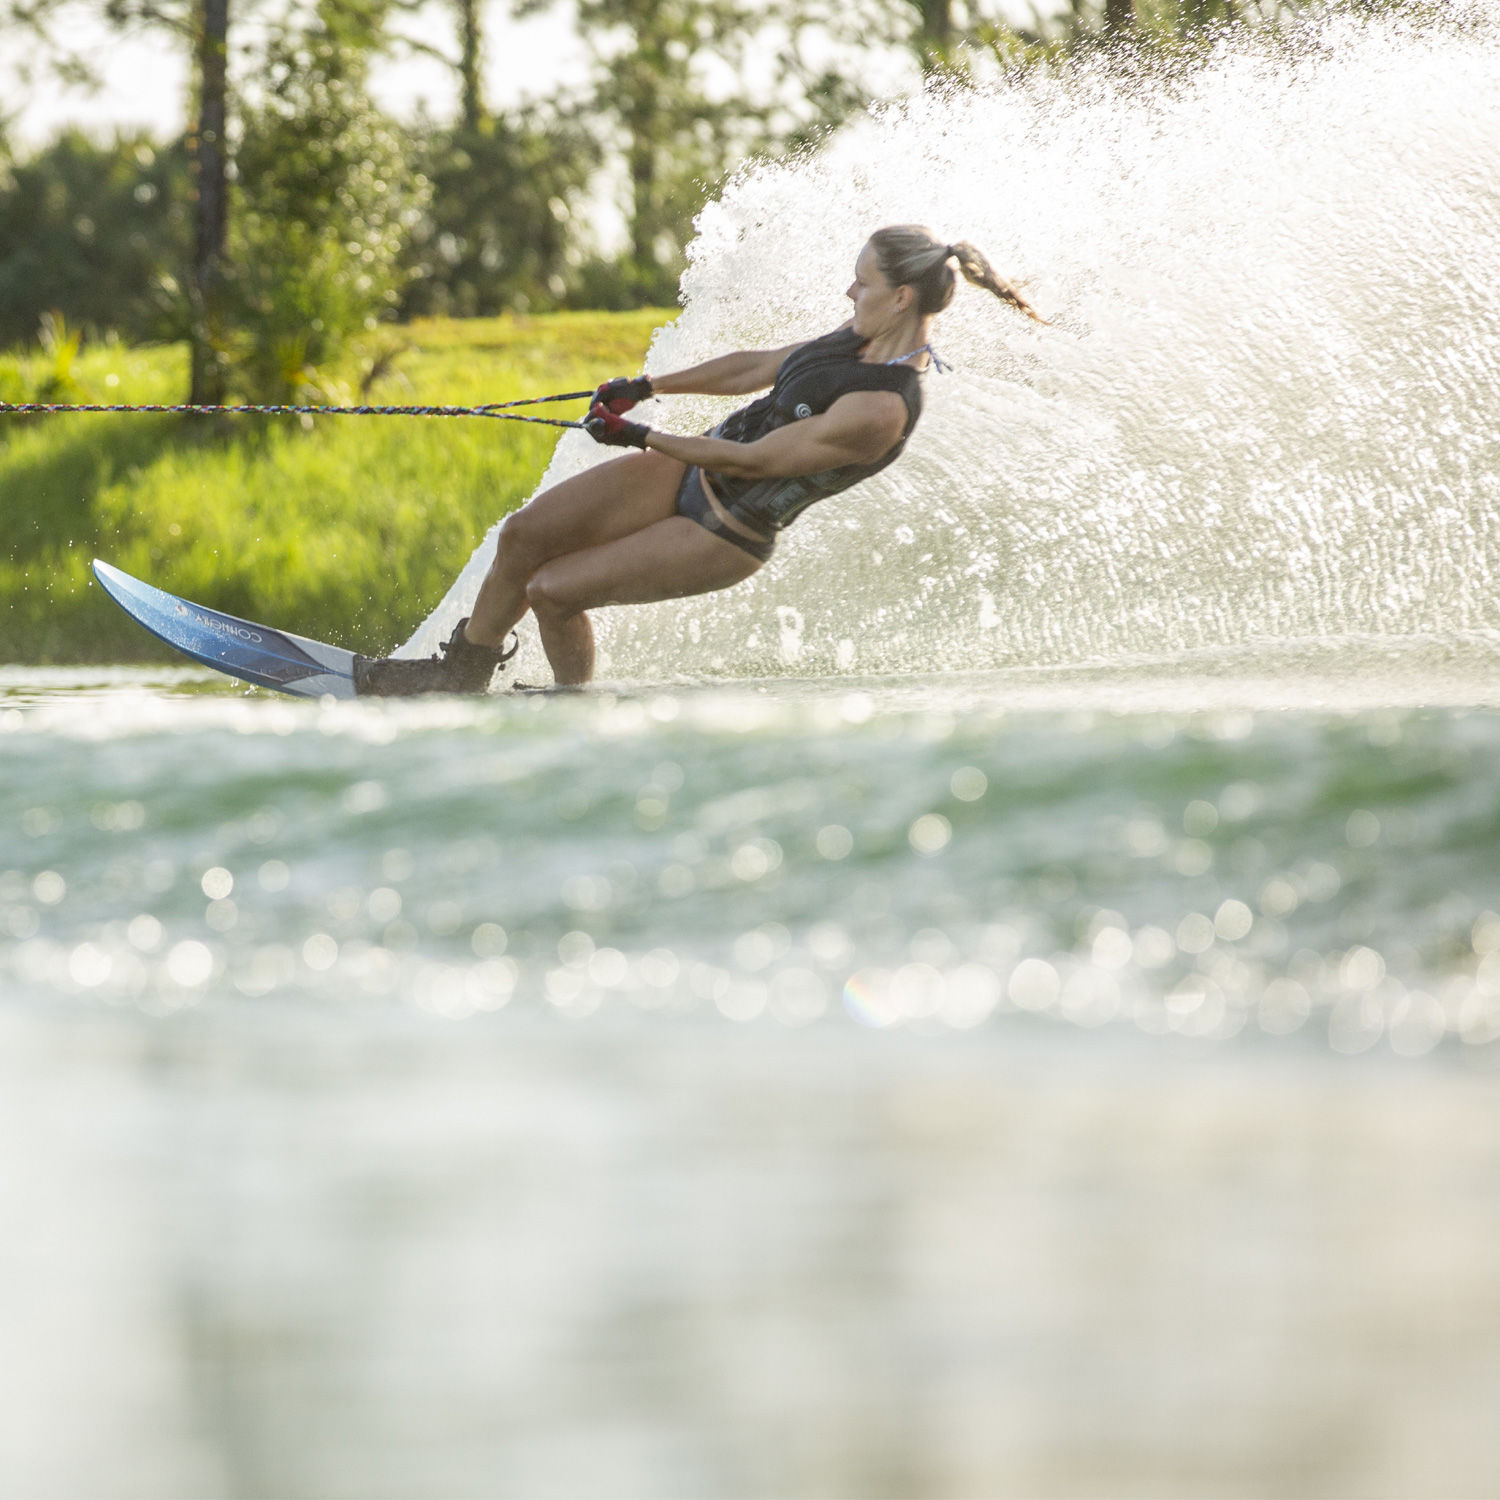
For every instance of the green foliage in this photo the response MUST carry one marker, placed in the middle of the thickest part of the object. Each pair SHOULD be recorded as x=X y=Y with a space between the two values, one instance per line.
x=61 y=345
x=500 y=226
x=326 y=200
x=99 y=232
x=50 y=379
x=1183 y=30
x=13 y=388
x=957 y=42
x=349 y=532
x=672 y=135
x=616 y=283
x=668 y=116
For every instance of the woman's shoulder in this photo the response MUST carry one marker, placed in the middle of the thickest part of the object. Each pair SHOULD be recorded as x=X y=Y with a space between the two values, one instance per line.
x=900 y=380
x=895 y=380
x=842 y=340
x=828 y=349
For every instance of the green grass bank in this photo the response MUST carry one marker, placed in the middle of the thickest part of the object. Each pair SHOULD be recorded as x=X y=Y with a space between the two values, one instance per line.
x=348 y=529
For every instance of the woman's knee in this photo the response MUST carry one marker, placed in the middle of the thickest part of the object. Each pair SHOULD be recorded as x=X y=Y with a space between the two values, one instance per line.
x=517 y=536
x=547 y=596
x=540 y=530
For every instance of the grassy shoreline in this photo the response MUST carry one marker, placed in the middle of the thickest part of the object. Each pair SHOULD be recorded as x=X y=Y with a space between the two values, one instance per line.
x=348 y=530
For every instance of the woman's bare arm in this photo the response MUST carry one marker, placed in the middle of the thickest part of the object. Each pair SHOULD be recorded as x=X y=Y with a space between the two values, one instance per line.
x=859 y=428
x=728 y=375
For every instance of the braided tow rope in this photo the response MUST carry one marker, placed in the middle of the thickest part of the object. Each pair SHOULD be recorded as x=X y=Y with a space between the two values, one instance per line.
x=495 y=409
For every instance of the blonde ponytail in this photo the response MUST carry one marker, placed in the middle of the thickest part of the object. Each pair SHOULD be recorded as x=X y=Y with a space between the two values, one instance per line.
x=977 y=271
x=911 y=255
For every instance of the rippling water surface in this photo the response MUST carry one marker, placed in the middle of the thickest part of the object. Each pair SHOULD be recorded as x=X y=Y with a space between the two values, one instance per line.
x=903 y=853
x=1005 y=1003
x=1062 y=1082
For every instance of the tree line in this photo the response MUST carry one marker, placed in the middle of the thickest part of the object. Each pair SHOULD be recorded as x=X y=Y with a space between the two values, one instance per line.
x=294 y=217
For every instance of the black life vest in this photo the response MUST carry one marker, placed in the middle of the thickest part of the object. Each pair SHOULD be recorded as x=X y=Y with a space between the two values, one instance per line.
x=810 y=380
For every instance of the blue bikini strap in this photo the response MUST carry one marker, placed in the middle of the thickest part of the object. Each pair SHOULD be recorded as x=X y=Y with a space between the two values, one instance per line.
x=938 y=363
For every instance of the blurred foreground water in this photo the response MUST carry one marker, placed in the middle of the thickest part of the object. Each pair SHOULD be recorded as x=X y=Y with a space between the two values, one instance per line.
x=1033 y=1083
x=1021 y=1018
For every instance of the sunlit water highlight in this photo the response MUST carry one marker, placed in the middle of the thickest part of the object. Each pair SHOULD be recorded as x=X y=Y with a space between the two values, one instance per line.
x=1006 y=1003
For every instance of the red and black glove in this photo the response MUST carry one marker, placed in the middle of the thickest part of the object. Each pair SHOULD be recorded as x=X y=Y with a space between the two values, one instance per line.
x=620 y=394
x=607 y=427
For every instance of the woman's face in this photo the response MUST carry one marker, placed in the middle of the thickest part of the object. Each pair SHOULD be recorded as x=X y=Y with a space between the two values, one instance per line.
x=877 y=304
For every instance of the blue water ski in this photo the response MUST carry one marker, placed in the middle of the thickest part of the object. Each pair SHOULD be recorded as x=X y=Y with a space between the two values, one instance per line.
x=255 y=653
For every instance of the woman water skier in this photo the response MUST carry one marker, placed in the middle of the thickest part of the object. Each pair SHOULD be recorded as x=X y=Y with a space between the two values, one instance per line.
x=690 y=515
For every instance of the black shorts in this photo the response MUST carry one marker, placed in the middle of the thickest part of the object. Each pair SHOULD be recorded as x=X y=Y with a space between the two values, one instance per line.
x=693 y=502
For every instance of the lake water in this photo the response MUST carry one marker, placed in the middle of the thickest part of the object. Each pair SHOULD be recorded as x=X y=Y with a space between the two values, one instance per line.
x=1005 y=1003
x=1044 y=1083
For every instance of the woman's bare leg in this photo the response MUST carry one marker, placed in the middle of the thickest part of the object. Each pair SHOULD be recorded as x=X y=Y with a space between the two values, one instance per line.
x=568 y=641
x=599 y=506
x=668 y=560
